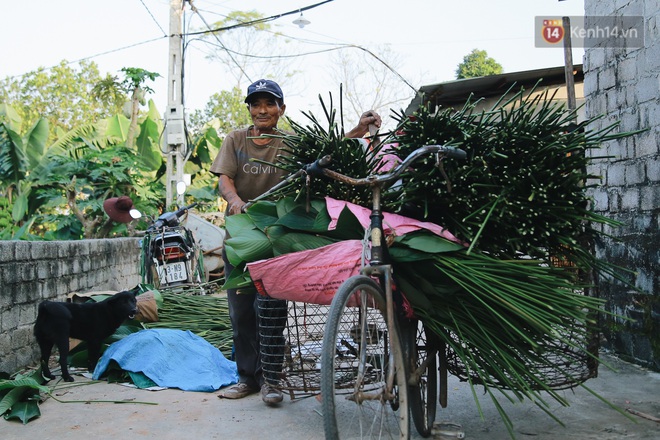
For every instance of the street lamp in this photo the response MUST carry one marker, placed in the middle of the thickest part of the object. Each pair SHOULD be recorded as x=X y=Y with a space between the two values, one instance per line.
x=301 y=21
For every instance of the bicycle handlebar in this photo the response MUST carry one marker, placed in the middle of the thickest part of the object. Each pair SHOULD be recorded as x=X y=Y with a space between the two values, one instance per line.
x=319 y=167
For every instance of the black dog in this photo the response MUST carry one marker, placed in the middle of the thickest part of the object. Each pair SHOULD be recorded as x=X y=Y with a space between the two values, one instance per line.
x=91 y=322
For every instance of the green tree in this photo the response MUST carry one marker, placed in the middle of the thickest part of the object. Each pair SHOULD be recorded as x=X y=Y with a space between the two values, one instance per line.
x=224 y=111
x=94 y=164
x=134 y=84
x=477 y=63
x=56 y=191
x=18 y=154
x=75 y=188
x=62 y=95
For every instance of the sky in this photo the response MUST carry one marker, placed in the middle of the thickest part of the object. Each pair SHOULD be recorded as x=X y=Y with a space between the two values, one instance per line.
x=428 y=37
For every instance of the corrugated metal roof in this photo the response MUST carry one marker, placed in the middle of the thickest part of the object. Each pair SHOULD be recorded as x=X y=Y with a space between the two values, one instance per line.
x=457 y=92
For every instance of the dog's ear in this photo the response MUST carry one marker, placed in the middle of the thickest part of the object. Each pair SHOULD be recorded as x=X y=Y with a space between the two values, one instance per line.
x=135 y=290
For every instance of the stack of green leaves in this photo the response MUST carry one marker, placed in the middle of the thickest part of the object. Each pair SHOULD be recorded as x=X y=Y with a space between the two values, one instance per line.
x=512 y=321
x=205 y=315
x=513 y=324
x=311 y=142
x=523 y=189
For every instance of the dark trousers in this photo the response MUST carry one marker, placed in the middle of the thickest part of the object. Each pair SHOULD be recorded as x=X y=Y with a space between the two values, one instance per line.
x=256 y=320
x=272 y=321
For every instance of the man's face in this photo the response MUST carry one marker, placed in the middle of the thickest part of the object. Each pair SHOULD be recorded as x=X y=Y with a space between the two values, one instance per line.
x=265 y=111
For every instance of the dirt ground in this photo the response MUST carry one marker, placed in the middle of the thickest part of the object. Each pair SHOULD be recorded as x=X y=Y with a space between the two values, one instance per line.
x=107 y=411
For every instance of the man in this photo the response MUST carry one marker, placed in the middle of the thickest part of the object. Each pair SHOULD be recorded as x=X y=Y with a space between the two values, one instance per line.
x=241 y=179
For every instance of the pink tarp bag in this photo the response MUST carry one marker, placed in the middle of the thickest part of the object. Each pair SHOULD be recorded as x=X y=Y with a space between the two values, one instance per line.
x=392 y=223
x=311 y=276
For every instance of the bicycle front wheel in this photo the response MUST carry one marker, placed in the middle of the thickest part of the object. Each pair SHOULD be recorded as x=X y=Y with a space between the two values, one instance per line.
x=363 y=375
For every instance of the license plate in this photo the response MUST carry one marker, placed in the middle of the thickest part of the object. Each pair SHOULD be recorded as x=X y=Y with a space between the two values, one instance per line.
x=172 y=273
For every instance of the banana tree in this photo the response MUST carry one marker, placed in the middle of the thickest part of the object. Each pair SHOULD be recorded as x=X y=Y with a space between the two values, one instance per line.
x=19 y=153
x=92 y=163
x=134 y=84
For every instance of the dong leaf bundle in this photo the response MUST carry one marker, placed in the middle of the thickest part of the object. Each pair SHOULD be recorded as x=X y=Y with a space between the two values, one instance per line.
x=512 y=318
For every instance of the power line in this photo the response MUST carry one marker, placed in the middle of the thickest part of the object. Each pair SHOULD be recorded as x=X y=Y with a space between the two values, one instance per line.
x=154 y=18
x=339 y=47
x=260 y=20
x=215 y=35
x=91 y=56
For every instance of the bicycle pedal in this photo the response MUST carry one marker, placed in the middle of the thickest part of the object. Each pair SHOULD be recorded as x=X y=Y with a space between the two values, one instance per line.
x=447 y=431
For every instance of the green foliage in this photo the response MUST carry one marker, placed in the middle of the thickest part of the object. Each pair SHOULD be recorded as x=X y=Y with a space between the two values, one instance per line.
x=19 y=397
x=224 y=112
x=93 y=176
x=515 y=324
x=7 y=226
x=62 y=95
x=521 y=191
x=59 y=190
x=523 y=188
x=205 y=315
x=316 y=140
x=19 y=153
x=477 y=63
x=136 y=77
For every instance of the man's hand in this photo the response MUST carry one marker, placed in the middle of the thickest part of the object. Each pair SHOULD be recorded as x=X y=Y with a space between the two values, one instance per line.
x=228 y=192
x=368 y=118
x=236 y=205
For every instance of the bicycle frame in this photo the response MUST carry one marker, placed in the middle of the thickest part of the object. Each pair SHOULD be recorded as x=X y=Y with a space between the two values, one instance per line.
x=379 y=270
x=373 y=289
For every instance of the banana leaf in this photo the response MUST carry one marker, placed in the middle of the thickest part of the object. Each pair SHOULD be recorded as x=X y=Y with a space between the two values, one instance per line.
x=20 y=396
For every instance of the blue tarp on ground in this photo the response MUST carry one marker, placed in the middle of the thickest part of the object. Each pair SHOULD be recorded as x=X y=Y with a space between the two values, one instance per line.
x=171 y=358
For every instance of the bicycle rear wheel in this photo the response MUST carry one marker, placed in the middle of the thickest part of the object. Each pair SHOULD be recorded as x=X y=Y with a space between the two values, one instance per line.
x=358 y=350
x=421 y=353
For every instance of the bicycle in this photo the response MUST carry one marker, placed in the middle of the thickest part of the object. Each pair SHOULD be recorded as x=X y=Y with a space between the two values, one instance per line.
x=366 y=358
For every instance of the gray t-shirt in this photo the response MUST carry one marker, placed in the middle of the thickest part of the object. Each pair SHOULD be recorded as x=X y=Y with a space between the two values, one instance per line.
x=250 y=178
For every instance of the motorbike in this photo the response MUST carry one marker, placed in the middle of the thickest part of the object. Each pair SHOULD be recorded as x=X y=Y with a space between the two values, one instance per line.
x=170 y=255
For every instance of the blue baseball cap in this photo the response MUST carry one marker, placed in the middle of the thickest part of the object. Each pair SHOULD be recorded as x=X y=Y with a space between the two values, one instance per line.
x=264 y=86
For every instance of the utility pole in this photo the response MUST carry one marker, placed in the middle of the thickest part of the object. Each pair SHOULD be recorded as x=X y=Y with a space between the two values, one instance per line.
x=568 y=64
x=174 y=142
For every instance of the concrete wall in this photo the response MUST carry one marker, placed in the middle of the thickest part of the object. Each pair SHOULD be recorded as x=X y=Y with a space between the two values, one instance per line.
x=624 y=85
x=33 y=271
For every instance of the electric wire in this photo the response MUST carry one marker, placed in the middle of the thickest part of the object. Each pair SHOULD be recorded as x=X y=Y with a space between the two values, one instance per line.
x=215 y=35
x=229 y=51
x=261 y=20
x=153 y=18
x=302 y=54
x=79 y=60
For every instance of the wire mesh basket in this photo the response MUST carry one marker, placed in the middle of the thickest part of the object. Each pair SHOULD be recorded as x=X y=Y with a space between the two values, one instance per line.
x=565 y=364
x=291 y=349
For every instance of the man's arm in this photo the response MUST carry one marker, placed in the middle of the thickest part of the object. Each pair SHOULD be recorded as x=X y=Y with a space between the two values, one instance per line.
x=368 y=118
x=228 y=192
